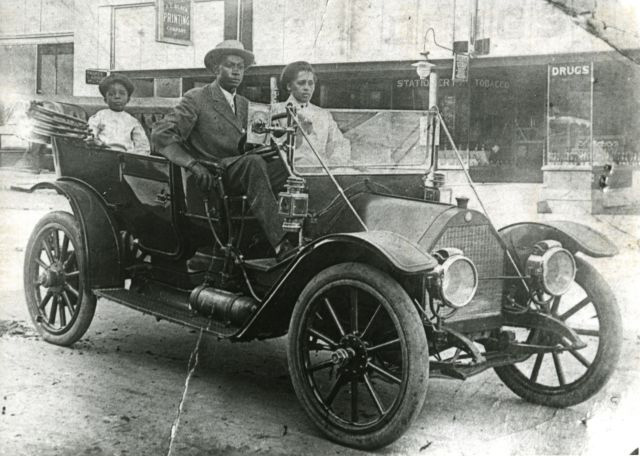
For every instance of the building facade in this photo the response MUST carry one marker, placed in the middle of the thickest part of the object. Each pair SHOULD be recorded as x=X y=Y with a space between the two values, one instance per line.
x=363 y=51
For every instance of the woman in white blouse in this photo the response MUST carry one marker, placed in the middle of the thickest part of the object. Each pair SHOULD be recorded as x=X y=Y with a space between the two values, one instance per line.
x=299 y=79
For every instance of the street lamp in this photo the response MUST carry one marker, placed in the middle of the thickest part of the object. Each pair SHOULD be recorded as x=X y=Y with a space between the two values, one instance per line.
x=432 y=180
x=424 y=67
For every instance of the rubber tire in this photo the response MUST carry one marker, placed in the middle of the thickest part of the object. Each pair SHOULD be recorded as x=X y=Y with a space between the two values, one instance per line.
x=87 y=304
x=412 y=330
x=604 y=363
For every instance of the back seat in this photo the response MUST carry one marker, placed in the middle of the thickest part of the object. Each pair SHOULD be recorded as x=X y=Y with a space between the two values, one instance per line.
x=148 y=116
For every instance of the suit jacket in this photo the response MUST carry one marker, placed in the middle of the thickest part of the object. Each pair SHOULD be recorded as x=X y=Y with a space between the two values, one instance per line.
x=203 y=124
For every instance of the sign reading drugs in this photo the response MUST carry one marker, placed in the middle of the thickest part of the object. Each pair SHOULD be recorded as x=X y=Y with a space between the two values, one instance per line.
x=570 y=70
x=174 y=21
x=570 y=76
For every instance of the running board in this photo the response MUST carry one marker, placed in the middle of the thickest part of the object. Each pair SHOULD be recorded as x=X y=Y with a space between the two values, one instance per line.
x=173 y=307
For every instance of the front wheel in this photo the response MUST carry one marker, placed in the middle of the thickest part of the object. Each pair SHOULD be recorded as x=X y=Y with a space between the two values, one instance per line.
x=572 y=376
x=58 y=299
x=358 y=355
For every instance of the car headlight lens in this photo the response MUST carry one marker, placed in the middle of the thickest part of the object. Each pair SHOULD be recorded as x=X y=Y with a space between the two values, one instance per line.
x=551 y=267
x=459 y=281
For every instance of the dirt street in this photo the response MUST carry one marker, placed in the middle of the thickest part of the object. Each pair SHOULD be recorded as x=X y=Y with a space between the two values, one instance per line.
x=116 y=392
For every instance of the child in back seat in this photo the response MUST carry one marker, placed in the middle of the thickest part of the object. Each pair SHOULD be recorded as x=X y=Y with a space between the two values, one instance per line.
x=114 y=127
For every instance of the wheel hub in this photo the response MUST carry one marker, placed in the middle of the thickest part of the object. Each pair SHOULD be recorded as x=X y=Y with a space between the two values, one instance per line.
x=53 y=277
x=352 y=355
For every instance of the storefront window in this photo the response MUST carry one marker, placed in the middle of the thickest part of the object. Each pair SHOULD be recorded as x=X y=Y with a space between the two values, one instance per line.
x=168 y=87
x=354 y=93
x=615 y=119
x=143 y=88
x=55 y=69
x=569 y=114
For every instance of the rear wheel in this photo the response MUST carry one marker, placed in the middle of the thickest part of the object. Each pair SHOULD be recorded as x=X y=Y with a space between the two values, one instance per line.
x=358 y=355
x=572 y=376
x=58 y=300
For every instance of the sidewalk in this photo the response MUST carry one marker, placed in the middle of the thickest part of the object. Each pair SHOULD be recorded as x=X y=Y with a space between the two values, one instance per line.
x=511 y=203
x=505 y=203
x=12 y=177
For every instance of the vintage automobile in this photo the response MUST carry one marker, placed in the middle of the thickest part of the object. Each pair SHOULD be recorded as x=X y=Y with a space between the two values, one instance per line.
x=387 y=288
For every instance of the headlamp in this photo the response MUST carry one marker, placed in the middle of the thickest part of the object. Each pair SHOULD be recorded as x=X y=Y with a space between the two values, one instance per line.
x=458 y=278
x=551 y=267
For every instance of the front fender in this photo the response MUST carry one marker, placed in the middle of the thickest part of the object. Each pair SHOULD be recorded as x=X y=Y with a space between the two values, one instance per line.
x=102 y=254
x=385 y=250
x=405 y=256
x=575 y=237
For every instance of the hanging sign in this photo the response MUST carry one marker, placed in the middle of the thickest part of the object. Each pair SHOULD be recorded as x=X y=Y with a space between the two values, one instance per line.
x=460 y=68
x=173 y=21
x=94 y=76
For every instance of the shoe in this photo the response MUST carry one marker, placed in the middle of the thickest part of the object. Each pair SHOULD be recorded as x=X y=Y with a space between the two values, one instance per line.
x=285 y=250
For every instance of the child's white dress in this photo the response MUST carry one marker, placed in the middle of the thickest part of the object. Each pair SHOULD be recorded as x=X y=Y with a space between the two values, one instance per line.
x=120 y=130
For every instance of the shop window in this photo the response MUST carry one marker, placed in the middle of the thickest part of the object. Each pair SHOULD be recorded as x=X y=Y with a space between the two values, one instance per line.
x=55 y=69
x=143 y=88
x=569 y=114
x=168 y=87
x=354 y=94
x=192 y=83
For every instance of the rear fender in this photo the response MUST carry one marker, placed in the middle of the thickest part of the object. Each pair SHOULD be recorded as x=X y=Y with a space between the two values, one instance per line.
x=384 y=250
x=99 y=230
x=575 y=237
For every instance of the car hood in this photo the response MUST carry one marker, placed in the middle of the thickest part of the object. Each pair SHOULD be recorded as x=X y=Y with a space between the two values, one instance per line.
x=413 y=219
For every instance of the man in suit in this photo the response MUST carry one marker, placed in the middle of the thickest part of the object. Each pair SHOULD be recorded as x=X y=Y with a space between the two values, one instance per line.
x=209 y=123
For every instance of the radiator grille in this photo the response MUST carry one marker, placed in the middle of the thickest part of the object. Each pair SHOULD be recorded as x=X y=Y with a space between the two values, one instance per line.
x=479 y=243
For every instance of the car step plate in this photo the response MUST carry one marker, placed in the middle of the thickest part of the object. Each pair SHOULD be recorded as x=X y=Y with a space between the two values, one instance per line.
x=176 y=312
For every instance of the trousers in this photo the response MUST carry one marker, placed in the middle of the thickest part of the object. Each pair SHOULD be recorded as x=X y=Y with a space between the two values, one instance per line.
x=260 y=181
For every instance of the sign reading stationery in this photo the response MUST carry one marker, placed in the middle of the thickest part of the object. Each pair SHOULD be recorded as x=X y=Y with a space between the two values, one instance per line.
x=174 y=21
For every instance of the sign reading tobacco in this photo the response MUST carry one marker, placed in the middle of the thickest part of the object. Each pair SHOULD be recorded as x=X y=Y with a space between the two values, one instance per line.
x=174 y=21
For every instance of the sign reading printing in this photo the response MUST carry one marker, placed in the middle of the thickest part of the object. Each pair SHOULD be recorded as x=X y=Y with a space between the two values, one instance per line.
x=174 y=21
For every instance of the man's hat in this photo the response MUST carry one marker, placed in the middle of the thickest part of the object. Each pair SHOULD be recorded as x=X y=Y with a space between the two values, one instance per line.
x=233 y=47
x=112 y=79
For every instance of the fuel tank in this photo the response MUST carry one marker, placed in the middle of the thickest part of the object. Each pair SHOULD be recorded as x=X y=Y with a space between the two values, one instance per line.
x=222 y=305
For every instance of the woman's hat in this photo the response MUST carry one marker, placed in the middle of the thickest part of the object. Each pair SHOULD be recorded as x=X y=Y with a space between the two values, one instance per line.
x=112 y=79
x=233 y=47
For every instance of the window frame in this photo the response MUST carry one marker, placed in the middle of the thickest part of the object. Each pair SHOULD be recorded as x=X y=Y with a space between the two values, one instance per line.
x=54 y=49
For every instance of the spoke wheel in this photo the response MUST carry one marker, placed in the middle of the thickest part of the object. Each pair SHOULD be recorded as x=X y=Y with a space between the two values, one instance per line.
x=358 y=355
x=572 y=376
x=59 y=303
